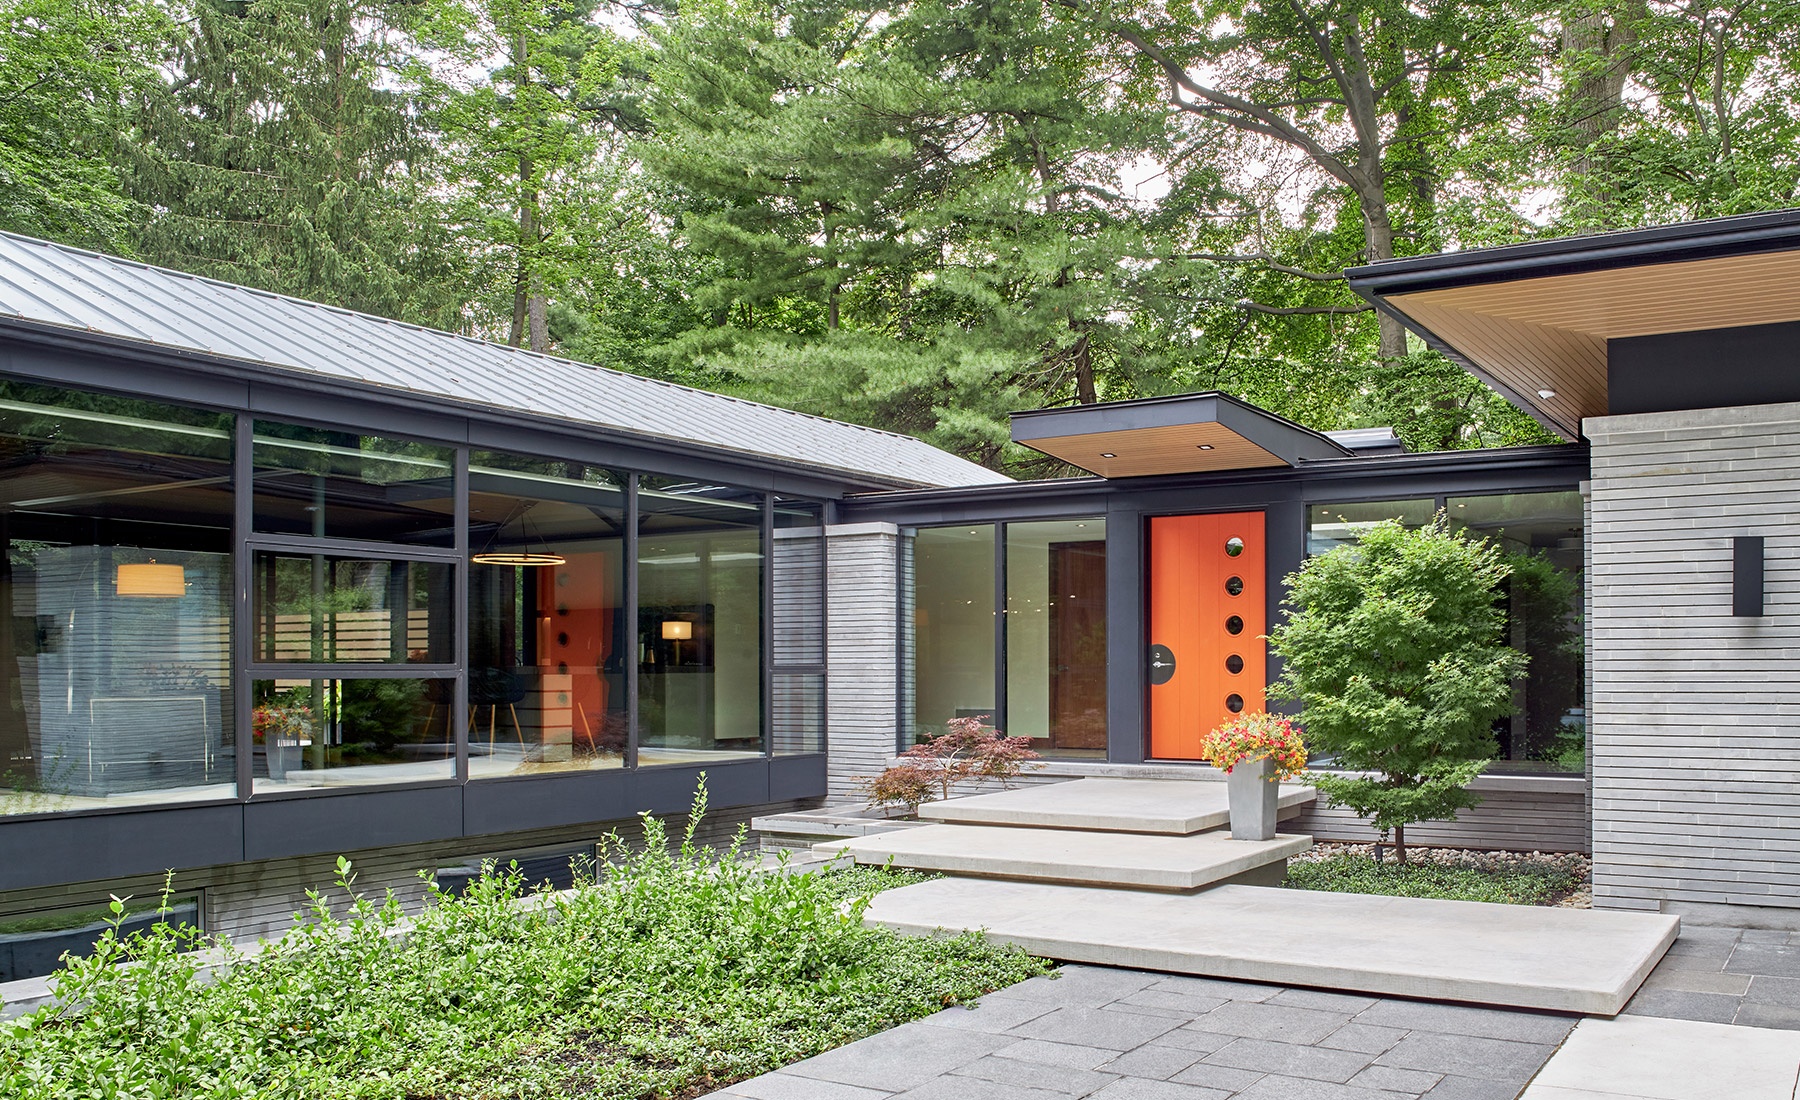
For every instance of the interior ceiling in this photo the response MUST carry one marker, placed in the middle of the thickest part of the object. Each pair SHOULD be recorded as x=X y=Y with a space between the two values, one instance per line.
x=1550 y=332
x=1175 y=449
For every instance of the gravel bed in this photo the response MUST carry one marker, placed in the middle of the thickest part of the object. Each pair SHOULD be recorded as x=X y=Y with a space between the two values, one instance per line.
x=1573 y=862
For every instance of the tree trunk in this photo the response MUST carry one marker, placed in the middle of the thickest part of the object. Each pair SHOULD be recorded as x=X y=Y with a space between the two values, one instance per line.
x=1400 y=844
x=1596 y=97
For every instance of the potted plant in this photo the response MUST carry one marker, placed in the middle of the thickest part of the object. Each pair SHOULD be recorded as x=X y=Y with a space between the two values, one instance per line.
x=1256 y=751
x=281 y=728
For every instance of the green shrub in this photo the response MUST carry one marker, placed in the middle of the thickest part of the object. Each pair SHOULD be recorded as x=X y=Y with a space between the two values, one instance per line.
x=1394 y=648
x=675 y=973
x=1528 y=882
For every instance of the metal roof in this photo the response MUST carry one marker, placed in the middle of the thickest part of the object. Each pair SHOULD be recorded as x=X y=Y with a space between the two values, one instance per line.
x=42 y=283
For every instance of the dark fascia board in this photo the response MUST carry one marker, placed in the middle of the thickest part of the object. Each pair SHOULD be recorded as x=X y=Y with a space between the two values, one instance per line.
x=1277 y=435
x=1738 y=235
x=1076 y=496
x=812 y=480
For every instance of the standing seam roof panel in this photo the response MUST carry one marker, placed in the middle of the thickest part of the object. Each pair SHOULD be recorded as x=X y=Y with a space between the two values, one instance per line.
x=52 y=284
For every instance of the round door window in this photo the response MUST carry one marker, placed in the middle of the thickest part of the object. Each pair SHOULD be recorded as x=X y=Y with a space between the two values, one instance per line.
x=1234 y=586
x=1234 y=703
x=1234 y=625
x=1234 y=664
x=1234 y=547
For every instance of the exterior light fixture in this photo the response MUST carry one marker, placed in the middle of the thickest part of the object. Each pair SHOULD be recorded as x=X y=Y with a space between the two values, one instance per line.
x=1108 y=454
x=150 y=580
x=1546 y=394
x=1206 y=446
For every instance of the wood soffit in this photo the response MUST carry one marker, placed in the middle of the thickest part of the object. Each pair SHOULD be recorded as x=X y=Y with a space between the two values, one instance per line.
x=1142 y=452
x=1550 y=333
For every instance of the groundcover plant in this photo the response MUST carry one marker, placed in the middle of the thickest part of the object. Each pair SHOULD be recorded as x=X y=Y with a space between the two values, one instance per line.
x=1514 y=879
x=673 y=973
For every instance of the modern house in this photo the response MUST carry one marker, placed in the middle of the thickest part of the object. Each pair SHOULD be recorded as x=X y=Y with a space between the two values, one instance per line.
x=285 y=582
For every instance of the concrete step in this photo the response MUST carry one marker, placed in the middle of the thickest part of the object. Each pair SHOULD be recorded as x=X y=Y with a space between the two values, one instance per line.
x=1176 y=807
x=1126 y=860
x=1568 y=960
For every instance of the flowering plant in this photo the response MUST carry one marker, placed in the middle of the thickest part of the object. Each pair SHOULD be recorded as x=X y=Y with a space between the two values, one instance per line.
x=1257 y=736
x=281 y=723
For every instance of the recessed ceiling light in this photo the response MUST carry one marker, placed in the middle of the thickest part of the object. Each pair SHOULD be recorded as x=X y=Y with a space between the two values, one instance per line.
x=1546 y=394
x=1108 y=454
x=1206 y=446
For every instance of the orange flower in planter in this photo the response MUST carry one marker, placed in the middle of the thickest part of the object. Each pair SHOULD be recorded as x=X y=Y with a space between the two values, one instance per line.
x=1257 y=736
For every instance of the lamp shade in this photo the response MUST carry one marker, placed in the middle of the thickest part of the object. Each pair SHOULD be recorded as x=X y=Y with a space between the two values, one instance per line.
x=150 y=579
x=677 y=630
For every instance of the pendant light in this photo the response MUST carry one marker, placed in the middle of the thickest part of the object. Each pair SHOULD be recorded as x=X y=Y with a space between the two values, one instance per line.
x=525 y=556
x=150 y=580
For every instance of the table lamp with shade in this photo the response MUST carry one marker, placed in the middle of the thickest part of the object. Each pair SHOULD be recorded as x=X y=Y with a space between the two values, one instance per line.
x=677 y=631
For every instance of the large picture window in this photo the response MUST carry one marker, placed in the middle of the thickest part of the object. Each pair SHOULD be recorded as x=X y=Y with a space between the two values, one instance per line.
x=548 y=649
x=1056 y=636
x=950 y=626
x=700 y=621
x=115 y=582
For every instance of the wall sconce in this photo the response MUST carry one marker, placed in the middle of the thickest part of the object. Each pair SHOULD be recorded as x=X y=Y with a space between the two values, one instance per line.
x=1747 y=575
x=150 y=580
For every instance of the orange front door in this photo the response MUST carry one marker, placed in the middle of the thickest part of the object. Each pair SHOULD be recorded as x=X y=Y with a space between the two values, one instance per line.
x=1207 y=617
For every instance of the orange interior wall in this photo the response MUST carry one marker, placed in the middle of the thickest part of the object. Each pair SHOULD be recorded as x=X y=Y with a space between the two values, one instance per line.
x=1189 y=609
x=575 y=632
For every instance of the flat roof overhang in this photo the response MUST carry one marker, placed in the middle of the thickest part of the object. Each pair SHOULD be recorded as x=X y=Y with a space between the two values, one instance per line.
x=1184 y=434
x=1533 y=320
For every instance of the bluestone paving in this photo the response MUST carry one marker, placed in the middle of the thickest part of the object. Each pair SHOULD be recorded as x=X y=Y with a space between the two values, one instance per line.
x=1097 y=1027
x=1023 y=1071
x=1726 y=976
x=1271 y=1021
x=1290 y=1059
x=1076 y=1036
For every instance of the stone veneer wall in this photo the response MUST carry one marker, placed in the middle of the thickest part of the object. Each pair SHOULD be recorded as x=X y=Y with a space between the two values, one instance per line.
x=1695 y=726
x=249 y=900
x=862 y=647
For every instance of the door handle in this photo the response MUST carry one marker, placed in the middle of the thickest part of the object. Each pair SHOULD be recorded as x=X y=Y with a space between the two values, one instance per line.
x=1161 y=662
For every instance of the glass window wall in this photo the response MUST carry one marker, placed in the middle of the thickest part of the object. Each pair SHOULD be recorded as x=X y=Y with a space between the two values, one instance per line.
x=115 y=582
x=32 y=944
x=1541 y=534
x=700 y=622
x=548 y=651
x=951 y=626
x=332 y=484
x=339 y=732
x=1332 y=525
x=797 y=569
x=311 y=608
x=1056 y=636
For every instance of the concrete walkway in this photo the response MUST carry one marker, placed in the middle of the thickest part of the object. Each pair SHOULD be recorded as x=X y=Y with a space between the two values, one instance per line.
x=1138 y=1035
x=1646 y=1058
x=1573 y=960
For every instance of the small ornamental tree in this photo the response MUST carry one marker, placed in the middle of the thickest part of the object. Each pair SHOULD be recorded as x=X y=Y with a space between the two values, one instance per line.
x=966 y=750
x=1394 y=647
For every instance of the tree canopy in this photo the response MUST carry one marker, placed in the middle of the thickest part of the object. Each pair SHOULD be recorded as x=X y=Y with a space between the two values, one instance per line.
x=918 y=216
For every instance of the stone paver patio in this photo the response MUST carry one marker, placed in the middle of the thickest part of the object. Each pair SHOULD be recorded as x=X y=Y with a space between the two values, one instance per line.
x=1136 y=1035
x=1726 y=976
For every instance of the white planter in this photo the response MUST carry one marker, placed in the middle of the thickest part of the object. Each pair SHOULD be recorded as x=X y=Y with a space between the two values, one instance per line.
x=1254 y=795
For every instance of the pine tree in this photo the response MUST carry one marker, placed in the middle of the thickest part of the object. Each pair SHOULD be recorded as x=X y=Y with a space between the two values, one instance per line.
x=285 y=153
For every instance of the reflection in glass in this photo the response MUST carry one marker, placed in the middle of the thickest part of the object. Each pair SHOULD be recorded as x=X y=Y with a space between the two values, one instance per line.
x=1056 y=635
x=1234 y=547
x=32 y=944
x=700 y=621
x=1331 y=525
x=547 y=646
x=1541 y=534
x=1234 y=664
x=348 y=733
x=1234 y=586
x=115 y=581
x=951 y=625
x=311 y=481
x=1234 y=625
x=1234 y=703
x=321 y=608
